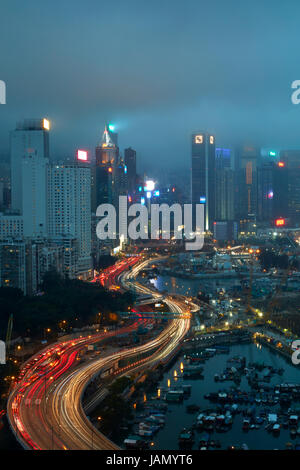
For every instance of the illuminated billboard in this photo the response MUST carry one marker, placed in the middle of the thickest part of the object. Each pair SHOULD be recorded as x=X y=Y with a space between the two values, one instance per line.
x=280 y=222
x=82 y=155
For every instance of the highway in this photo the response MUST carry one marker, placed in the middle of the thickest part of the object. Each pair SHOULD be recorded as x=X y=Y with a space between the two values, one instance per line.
x=45 y=407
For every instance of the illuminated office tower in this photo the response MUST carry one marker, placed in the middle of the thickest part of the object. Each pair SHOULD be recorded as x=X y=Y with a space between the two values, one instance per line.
x=291 y=160
x=103 y=172
x=203 y=175
x=107 y=152
x=103 y=186
x=130 y=162
x=246 y=173
x=69 y=209
x=224 y=185
x=272 y=191
x=29 y=139
x=29 y=160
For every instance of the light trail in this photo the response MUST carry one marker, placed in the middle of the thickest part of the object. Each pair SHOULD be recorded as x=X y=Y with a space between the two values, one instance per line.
x=46 y=411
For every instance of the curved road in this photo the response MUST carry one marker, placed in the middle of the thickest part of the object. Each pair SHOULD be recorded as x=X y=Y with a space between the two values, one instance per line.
x=47 y=413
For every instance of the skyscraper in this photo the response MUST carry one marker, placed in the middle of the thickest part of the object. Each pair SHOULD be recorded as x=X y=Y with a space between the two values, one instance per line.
x=203 y=175
x=69 y=209
x=34 y=194
x=107 y=152
x=246 y=172
x=103 y=173
x=130 y=162
x=291 y=160
x=272 y=191
x=224 y=185
x=31 y=138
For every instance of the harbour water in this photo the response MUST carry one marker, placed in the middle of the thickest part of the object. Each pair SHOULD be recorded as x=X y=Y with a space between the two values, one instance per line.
x=177 y=417
x=191 y=286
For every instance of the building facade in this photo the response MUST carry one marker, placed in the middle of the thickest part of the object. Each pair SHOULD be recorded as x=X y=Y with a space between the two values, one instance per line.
x=203 y=175
x=69 y=209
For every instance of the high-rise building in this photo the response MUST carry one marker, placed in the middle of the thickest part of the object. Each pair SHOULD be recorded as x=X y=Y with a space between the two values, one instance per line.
x=25 y=261
x=11 y=226
x=130 y=162
x=107 y=152
x=50 y=223
x=103 y=173
x=13 y=264
x=34 y=194
x=225 y=230
x=103 y=187
x=29 y=140
x=69 y=209
x=291 y=160
x=246 y=173
x=224 y=158
x=203 y=175
x=224 y=185
x=272 y=191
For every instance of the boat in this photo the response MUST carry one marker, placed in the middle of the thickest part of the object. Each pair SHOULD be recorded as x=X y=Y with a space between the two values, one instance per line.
x=276 y=428
x=135 y=442
x=155 y=420
x=174 y=396
x=203 y=442
x=186 y=437
x=146 y=432
x=246 y=424
x=147 y=427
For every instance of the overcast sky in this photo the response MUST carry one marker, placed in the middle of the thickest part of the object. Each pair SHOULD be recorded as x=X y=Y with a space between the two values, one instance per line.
x=158 y=70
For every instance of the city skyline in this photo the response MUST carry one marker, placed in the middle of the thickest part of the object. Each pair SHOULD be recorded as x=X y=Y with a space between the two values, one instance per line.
x=237 y=90
x=149 y=228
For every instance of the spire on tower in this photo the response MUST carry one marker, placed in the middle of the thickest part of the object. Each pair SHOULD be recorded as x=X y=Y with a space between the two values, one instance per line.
x=106 y=138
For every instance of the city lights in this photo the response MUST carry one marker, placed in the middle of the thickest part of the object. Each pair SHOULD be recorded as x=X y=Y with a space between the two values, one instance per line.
x=46 y=124
x=280 y=222
x=82 y=155
x=150 y=185
x=163 y=251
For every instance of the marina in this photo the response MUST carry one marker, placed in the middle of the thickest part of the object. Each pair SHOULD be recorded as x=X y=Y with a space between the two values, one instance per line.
x=259 y=411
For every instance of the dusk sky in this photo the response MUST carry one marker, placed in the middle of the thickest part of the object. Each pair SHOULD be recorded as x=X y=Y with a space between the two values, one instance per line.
x=158 y=70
